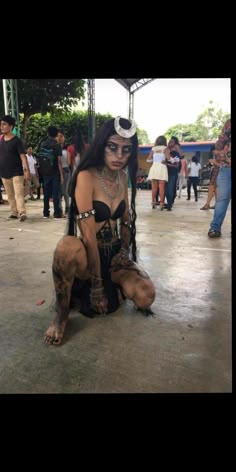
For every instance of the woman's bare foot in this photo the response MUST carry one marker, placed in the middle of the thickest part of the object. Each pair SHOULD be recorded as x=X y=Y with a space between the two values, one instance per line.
x=54 y=333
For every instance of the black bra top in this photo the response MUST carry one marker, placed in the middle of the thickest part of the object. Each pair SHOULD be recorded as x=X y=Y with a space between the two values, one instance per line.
x=103 y=211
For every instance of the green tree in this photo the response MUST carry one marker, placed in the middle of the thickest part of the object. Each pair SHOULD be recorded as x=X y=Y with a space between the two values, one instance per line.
x=68 y=122
x=142 y=136
x=45 y=95
x=212 y=119
x=191 y=132
x=206 y=127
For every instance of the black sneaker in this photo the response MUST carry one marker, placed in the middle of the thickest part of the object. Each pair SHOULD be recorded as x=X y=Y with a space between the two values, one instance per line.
x=12 y=217
x=23 y=217
x=212 y=233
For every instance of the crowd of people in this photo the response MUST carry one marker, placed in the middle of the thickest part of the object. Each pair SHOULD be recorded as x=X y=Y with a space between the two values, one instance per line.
x=51 y=167
x=168 y=170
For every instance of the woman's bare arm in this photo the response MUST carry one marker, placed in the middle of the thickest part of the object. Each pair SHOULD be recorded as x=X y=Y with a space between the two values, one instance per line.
x=150 y=157
x=84 y=200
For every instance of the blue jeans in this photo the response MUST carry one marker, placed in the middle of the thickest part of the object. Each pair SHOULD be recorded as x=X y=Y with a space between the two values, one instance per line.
x=224 y=196
x=65 y=187
x=170 y=189
x=52 y=187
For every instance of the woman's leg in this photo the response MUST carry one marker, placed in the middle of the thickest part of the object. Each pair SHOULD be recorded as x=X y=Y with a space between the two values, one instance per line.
x=181 y=181
x=211 y=189
x=189 y=184
x=162 y=193
x=70 y=261
x=154 y=193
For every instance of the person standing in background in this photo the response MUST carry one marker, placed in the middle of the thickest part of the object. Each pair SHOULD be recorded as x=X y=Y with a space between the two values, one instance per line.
x=65 y=169
x=75 y=151
x=158 y=174
x=223 y=160
x=173 y=170
x=13 y=168
x=54 y=179
x=194 y=168
x=33 y=183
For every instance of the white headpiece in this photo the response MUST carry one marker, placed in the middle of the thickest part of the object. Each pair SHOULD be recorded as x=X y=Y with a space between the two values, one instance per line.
x=125 y=133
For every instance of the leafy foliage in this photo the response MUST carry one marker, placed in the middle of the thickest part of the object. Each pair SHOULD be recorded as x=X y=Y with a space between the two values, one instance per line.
x=142 y=136
x=68 y=122
x=43 y=95
x=206 y=127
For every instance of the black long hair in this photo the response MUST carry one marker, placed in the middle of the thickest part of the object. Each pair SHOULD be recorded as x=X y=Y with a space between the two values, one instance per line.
x=94 y=157
x=78 y=141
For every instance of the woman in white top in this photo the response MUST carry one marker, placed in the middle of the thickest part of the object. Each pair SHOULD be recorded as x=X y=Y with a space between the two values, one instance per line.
x=194 y=168
x=158 y=173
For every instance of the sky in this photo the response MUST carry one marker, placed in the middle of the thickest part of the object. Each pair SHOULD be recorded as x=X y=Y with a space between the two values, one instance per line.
x=163 y=102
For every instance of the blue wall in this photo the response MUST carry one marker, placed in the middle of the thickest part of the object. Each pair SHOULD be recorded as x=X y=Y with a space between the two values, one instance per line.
x=187 y=147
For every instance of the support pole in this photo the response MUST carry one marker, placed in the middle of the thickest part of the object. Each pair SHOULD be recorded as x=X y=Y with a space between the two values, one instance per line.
x=11 y=101
x=91 y=109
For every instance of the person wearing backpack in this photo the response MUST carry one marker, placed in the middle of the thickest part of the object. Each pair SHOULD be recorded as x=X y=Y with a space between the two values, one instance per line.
x=50 y=165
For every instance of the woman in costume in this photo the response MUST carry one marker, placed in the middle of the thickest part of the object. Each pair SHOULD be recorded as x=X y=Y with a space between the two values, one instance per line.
x=99 y=267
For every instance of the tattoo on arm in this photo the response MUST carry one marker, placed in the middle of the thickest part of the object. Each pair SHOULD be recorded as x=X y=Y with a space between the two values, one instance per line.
x=121 y=261
x=91 y=249
x=96 y=281
x=125 y=231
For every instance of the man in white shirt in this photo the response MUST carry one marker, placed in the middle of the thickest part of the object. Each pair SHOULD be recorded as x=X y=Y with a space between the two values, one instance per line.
x=33 y=183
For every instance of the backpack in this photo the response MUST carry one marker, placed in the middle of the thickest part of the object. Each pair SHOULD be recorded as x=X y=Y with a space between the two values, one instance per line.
x=46 y=159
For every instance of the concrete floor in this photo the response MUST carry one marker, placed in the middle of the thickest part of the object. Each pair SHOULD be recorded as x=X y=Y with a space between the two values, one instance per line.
x=186 y=347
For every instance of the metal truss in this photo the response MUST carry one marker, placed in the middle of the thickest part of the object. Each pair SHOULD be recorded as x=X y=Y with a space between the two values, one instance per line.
x=11 y=100
x=133 y=85
x=131 y=105
x=91 y=109
x=139 y=84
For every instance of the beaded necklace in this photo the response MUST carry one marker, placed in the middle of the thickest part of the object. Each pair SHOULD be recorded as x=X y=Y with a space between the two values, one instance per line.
x=106 y=190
